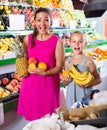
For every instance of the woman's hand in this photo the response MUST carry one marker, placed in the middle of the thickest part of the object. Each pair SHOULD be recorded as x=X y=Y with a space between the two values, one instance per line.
x=37 y=71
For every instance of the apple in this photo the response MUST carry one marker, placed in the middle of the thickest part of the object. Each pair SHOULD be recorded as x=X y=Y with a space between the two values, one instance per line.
x=5 y=81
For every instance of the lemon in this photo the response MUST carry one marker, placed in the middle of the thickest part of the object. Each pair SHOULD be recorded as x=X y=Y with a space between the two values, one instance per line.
x=8 y=12
x=1 y=7
x=11 y=39
x=1 y=27
x=6 y=7
x=32 y=66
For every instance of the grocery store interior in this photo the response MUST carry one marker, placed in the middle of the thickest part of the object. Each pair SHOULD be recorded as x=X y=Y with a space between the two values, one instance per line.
x=17 y=20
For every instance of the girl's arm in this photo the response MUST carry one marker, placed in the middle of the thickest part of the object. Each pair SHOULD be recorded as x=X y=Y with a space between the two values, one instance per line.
x=93 y=69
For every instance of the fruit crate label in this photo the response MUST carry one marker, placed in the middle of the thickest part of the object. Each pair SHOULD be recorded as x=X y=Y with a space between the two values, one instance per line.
x=16 y=22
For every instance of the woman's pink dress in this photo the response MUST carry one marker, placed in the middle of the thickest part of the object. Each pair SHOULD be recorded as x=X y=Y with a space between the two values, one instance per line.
x=40 y=95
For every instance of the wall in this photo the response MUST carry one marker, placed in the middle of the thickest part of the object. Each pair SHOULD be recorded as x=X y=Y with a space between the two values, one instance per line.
x=99 y=23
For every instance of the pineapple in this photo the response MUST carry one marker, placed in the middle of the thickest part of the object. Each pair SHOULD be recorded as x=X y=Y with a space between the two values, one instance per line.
x=21 y=59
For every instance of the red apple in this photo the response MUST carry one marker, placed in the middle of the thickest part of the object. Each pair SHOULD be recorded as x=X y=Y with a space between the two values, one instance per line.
x=5 y=81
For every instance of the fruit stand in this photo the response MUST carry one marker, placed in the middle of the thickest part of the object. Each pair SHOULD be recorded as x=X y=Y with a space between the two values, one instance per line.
x=7 y=35
x=59 y=11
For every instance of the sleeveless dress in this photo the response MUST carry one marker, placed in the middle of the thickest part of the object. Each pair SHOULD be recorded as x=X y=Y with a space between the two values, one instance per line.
x=74 y=92
x=40 y=95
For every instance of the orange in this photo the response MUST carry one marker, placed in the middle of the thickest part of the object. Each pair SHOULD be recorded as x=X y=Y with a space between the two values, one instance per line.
x=65 y=73
x=98 y=51
x=42 y=65
x=32 y=60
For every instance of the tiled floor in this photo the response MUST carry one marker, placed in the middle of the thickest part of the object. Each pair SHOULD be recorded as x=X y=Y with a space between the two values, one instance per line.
x=13 y=121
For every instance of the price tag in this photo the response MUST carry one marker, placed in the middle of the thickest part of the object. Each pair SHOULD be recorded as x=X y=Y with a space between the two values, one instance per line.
x=72 y=24
x=55 y=23
x=103 y=69
x=17 y=22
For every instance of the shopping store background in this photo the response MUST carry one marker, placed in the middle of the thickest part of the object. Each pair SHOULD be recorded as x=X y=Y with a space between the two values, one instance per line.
x=90 y=17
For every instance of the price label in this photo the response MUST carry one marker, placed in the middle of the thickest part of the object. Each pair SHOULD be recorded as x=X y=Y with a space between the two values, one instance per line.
x=55 y=23
x=17 y=22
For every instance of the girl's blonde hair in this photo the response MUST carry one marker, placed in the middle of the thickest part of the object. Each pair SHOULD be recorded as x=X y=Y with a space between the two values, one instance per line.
x=82 y=33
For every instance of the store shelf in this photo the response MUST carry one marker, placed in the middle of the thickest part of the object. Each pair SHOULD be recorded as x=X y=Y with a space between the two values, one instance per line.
x=67 y=50
x=97 y=43
x=10 y=102
x=55 y=30
x=7 y=61
x=68 y=30
x=15 y=32
x=10 y=105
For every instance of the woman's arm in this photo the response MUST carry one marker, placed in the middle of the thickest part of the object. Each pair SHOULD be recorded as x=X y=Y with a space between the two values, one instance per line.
x=59 y=55
x=25 y=44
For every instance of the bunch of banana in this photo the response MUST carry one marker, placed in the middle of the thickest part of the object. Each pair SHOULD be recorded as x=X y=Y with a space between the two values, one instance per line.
x=81 y=78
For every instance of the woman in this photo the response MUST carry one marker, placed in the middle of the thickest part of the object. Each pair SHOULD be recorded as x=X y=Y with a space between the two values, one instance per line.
x=40 y=92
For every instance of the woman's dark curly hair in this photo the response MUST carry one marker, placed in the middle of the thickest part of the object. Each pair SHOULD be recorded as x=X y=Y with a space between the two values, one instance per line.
x=35 y=32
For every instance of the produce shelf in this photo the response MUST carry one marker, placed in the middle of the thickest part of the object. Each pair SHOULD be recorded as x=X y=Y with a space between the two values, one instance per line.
x=68 y=30
x=15 y=32
x=99 y=43
x=10 y=105
x=7 y=61
x=55 y=30
x=67 y=50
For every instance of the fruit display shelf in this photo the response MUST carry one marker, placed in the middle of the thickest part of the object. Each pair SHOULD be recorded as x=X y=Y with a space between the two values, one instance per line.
x=11 y=9
x=67 y=50
x=27 y=11
x=55 y=30
x=94 y=44
x=97 y=43
x=7 y=61
x=10 y=103
x=68 y=30
x=8 y=96
x=14 y=33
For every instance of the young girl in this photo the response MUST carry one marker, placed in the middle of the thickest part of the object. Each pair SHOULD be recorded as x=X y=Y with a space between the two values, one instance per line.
x=83 y=63
x=40 y=91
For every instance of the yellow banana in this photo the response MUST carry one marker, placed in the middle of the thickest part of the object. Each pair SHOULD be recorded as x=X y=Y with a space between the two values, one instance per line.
x=77 y=73
x=87 y=80
x=83 y=77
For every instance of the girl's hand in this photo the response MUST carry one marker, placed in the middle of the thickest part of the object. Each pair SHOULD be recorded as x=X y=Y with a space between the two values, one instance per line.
x=66 y=80
x=85 y=86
